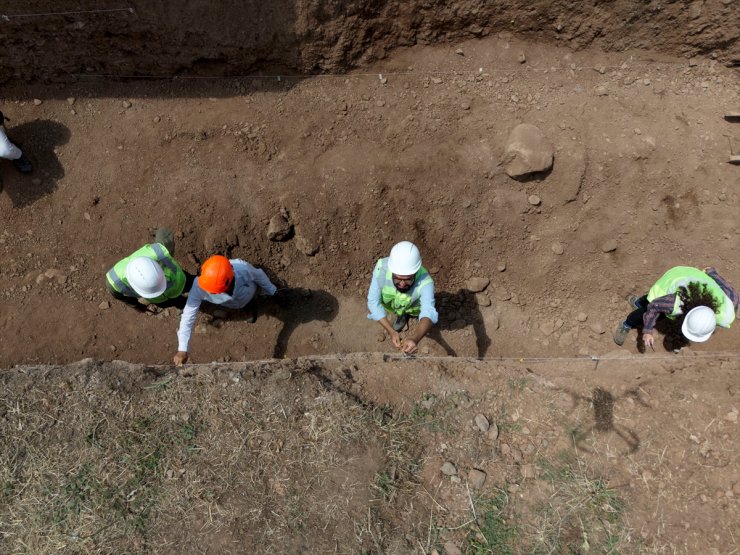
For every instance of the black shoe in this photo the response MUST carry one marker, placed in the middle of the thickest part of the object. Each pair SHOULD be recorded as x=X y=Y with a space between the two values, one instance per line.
x=400 y=322
x=23 y=164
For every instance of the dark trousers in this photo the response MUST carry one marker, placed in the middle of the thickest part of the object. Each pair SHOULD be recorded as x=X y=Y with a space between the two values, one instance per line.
x=634 y=320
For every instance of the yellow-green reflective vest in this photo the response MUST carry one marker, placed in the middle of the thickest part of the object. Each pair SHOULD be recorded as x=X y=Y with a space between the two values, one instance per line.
x=394 y=300
x=174 y=275
x=681 y=276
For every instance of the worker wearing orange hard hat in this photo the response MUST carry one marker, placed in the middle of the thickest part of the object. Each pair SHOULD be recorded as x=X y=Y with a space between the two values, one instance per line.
x=227 y=283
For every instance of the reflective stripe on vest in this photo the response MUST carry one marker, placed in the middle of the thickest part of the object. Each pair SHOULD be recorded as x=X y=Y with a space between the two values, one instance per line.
x=394 y=300
x=681 y=276
x=119 y=285
x=165 y=261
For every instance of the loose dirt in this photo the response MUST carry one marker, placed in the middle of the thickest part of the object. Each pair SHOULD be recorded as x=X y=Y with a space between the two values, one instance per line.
x=630 y=454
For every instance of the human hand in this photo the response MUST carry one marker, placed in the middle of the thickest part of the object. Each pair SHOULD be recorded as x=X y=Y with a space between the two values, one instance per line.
x=648 y=339
x=396 y=339
x=409 y=346
x=180 y=358
x=706 y=270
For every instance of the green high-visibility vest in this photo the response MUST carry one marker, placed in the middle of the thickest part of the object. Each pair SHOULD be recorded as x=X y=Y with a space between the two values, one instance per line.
x=173 y=273
x=681 y=276
x=394 y=300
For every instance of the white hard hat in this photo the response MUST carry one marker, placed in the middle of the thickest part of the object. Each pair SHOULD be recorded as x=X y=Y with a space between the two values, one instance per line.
x=699 y=324
x=405 y=259
x=146 y=277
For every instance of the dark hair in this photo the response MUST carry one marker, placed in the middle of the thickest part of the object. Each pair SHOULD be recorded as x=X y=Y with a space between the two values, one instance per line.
x=696 y=294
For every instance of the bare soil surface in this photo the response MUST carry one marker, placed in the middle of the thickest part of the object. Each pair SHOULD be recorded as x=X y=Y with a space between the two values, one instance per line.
x=358 y=163
x=625 y=452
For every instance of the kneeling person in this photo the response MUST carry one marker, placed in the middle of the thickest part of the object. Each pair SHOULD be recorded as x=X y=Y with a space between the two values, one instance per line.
x=150 y=273
x=227 y=283
x=402 y=286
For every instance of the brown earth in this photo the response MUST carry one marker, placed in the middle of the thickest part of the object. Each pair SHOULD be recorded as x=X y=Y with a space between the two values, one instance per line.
x=235 y=37
x=645 y=444
x=640 y=160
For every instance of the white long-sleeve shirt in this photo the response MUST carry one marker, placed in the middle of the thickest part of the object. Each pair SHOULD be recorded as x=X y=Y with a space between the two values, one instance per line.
x=7 y=149
x=247 y=279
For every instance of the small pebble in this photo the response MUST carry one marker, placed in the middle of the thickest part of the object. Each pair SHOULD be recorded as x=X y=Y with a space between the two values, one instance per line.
x=126 y=104
x=557 y=248
x=71 y=100
x=534 y=200
x=37 y=102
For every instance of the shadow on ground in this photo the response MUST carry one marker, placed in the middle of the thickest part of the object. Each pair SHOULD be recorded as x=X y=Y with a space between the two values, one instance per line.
x=38 y=140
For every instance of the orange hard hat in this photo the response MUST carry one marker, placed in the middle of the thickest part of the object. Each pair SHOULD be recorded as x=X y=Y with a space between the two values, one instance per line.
x=216 y=274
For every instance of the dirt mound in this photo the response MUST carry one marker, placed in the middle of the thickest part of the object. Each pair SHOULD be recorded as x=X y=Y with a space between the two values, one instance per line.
x=234 y=38
x=312 y=456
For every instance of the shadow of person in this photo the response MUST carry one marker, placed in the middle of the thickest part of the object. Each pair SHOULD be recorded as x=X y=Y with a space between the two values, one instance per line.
x=37 y=139
x=294 y=307
x=458 y=311
x=673 y=338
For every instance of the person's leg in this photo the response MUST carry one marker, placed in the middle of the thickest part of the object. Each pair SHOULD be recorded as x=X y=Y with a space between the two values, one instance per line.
x=400 y=322
x=634 y=319
x=164 y=237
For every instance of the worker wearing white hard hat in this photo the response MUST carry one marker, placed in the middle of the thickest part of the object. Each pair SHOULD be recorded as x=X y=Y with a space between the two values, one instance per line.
x=150 y=273
x=403 y=287
x=700 y=300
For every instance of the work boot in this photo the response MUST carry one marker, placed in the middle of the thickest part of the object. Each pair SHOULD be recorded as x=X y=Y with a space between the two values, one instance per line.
x=621 y=333
x=23 y=164
x=400 y=322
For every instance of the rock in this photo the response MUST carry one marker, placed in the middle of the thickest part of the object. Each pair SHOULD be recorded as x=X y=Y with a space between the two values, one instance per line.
x=126 y=104
x=448 y=469
x=452 y=549
x=529 y=471
x=460 y=52
x=528 y=151
x=547 y=328
x=476 y=478
x=279 y=229
x=465 y=105
x=436 y=80
x=521 y=58
x=501 y=267
x=105 y=305
x=609 y=246
x=581 y=316
x=157 y=119
x=534 y=200
x=306 y=243
x=598 y=328
x=71 y=100
x=37 y=102
x=380 y=103
x=732 y=415
x=503 y=295
x=505 y=449
x=602 y=91
x=493 y=432
x=482 y=422
x=477 y=284
x=482 y=300
x=557 y=248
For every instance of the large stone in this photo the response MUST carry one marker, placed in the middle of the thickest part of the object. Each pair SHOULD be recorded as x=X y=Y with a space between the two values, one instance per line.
x=279 y=229
x=306 y=242
x=476 y=478
x=477 y=284
x=528 y=151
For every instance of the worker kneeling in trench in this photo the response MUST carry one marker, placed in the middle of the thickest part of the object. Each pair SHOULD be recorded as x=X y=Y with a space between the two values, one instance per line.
x=403 y=287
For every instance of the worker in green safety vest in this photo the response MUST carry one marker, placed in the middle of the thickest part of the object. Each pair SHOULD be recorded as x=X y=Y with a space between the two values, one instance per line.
x=403 y=287
x=698 y=300
x=150 y=273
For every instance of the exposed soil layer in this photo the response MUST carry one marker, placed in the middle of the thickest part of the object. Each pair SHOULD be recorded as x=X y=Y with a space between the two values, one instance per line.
x=640 y=183
x=232 y=37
